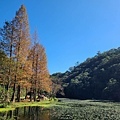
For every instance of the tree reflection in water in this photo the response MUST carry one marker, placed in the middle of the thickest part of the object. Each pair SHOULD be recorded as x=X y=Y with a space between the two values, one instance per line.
x=27 y=113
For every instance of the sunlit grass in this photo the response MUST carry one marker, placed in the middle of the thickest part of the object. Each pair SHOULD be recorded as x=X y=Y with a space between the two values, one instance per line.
x=41 y=103
x=45 y=104
x=6 y=109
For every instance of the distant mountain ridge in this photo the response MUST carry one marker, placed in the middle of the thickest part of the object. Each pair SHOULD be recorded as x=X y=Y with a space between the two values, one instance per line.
x=96 y=78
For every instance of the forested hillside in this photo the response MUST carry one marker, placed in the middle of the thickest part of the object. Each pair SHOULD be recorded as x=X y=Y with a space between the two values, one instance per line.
x=95 y=78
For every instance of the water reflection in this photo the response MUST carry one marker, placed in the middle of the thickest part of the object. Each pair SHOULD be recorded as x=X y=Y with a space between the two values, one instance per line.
x=27 y=113
x=67 y=110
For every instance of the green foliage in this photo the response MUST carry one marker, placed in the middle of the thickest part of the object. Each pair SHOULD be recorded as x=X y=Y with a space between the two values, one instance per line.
x=2 y=94
x=95 y=78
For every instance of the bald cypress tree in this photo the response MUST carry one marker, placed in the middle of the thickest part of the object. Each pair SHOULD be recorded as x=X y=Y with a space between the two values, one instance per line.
x=22 y=47
x=23 y=65
x=40 y=75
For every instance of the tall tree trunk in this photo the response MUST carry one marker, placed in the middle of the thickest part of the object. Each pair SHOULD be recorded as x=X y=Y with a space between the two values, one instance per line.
x=13 y=95
x=7 y=94
x=26 y=93
x=31 y=94
x=18 y=93
x=35 y=94
x=38 y=93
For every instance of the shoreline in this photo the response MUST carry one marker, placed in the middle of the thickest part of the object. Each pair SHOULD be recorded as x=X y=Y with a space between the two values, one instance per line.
x=15 y=105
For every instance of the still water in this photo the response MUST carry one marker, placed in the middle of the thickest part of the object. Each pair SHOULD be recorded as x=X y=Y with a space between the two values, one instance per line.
x=28 y=113
x=67 y=109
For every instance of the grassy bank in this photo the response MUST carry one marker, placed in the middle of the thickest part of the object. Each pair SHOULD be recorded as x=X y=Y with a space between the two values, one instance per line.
x=69 y=109
x=45 y=103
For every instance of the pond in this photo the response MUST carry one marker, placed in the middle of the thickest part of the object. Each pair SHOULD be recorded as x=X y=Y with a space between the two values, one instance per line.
x=27 y=113
x=67 y=109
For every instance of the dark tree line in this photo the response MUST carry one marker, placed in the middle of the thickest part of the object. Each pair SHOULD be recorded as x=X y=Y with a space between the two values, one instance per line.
x=95 y=78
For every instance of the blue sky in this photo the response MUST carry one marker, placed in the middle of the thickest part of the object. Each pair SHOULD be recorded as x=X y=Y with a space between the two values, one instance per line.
x=70 y=30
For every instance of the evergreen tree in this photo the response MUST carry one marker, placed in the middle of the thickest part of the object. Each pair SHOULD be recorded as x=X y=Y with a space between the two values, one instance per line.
x=7 y=46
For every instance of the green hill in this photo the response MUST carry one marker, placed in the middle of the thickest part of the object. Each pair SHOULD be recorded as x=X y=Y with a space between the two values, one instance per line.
x=95 y=78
